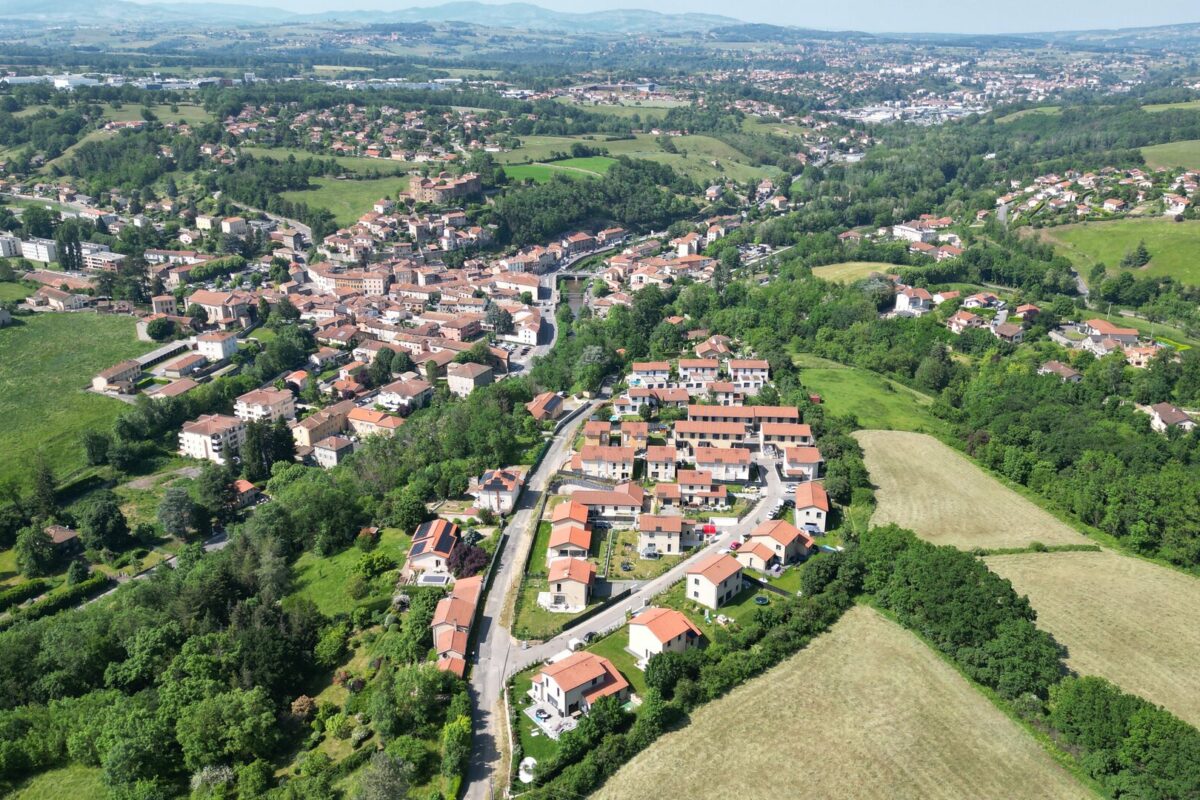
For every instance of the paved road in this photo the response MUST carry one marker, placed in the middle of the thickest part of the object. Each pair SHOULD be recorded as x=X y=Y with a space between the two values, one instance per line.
x=495 y=644
x=500 y=655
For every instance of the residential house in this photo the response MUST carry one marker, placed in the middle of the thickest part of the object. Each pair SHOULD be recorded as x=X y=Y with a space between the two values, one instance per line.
x=961 y=320
x=913 y=301
x=650 y=374
x=812 y=507
x=635 y=435
x=665 y=534
x=1164 y=416
x=432 y=544
x=452 y=621
x=697 y=488
x=573 y=684
x=570 y=582
x=1065 y=373
x=597 y=433
x=713 y=581
x=497 y=490
x=802 y=463
x=774 y=543
x=661 y=630
x=697 y=373
x=546 y=405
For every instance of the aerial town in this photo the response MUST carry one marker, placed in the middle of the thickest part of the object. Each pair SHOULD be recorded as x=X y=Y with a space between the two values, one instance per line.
x=482 y=401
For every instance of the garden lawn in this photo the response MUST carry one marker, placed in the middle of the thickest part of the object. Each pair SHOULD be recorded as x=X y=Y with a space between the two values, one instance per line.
x=534 y=622
x=348 y=199
x=540 y=747
x=1172 y=245
x=323 y=579
x=46 y=361
x=613 y=647
x=865 y=711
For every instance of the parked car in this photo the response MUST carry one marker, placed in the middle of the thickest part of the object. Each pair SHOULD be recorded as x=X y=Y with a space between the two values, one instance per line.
x=541 y=714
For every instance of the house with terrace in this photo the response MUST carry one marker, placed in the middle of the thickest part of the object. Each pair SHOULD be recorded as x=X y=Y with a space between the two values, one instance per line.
x=661 y=630
x=573 y=684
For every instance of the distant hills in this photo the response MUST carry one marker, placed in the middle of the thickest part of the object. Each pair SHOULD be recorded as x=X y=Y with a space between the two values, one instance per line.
x=530 y=17
x=520 y=16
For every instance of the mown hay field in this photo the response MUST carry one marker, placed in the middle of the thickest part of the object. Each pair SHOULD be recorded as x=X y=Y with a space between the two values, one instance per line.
x=1124 y=619
x=930 y=488
x=866 y=711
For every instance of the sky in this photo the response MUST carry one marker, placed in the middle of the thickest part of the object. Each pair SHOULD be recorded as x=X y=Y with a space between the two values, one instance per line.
x=926 y=16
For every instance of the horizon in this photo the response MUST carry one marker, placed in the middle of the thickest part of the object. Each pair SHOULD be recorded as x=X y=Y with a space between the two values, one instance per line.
x=923 y=16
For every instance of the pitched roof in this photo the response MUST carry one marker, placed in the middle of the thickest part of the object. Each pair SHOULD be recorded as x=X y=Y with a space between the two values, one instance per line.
x=665 y=523
x=780 y=531
x=580 y=669
x=665 y=624
x=716 y=567
x=571 y=534
x=569 y=510
x=437 y=536
x=572 y=569
x=812 y=495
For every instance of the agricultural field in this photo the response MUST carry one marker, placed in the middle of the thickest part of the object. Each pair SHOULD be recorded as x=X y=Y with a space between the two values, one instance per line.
x=1172 y=245
x=46 y=361
x=348 y=199
x=851 y=271
x=1174 y=154
x=1097 y=604
x=945 y=498
x=865 y=711
x=877 y=401
x=360 y=166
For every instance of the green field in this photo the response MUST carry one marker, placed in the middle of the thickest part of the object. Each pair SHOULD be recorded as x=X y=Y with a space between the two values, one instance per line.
x=877 y=401
x=1185 y=106
x=46 y=361
x=851 y=271
x=695 y=155
x=570 y=167
x=1048 y=111
x=1172 y=245
x=14 y=292
x=1184 y=154
x=73 y=781
x=348 y=200
x=361 y=166
x=539 y=173
x=323 y=579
